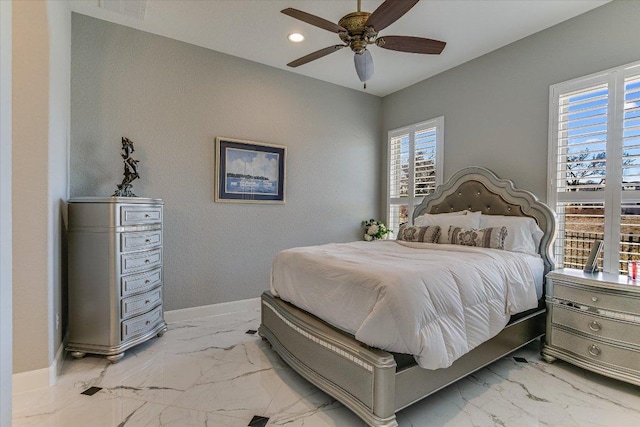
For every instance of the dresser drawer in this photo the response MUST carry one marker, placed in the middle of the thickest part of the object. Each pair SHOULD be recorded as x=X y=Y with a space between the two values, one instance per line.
x=596 y=299
x=595 y=351
x=136 y=283
x=137 y=261
x=139 y=304
x=141 y=324
x=138 y=241
x=132 y=215
x=596 y=325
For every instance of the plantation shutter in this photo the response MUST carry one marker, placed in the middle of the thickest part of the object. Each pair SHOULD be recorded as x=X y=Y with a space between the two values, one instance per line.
x=414 y=168
x=629 y=242
x=581 y=166
x=595 y=167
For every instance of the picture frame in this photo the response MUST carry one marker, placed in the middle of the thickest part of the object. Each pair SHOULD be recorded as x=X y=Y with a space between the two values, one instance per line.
x=249 y=171
x=591 y=266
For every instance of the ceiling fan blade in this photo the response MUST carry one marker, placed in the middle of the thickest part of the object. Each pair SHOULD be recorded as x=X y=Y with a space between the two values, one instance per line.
x=313 y=20
x=388 y=13
x=315 y=55
x=411 y=44
x=364 y=65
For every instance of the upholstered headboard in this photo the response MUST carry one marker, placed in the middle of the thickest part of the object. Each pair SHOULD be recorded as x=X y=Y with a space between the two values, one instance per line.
x=479 y=189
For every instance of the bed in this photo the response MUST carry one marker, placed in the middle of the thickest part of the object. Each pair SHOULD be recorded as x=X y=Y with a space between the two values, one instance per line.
x=376 y=383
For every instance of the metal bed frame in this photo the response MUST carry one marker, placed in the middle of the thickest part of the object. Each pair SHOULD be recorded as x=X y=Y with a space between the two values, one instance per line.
x=375 y=384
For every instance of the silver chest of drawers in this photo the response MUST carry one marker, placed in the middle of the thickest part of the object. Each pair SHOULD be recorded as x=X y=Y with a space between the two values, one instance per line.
x=115 y=274
x=593 y=321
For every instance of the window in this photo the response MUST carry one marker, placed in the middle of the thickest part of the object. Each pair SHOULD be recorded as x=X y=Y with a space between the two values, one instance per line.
x=415 y=168
x=594 y=167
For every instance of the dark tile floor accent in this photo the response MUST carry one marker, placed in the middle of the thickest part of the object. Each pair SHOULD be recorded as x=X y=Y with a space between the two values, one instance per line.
x=520 y=359
x=258 y=421
x=91 y=391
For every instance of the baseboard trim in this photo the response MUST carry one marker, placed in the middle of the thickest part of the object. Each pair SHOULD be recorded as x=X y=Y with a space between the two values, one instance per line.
x=192 y=313
x=39 y=378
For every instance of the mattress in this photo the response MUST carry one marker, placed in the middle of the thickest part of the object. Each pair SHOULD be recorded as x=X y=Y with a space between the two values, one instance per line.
x=434 y=301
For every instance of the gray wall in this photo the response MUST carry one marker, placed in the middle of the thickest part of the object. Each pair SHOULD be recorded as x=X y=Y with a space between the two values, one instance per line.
x=496 y=107
x=172 y=99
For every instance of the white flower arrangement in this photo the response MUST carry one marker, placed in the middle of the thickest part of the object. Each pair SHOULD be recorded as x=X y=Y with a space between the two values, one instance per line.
x=374 y=230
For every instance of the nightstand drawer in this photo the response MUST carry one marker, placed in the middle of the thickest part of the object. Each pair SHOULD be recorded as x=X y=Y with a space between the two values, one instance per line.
x=140 y=241
x=140 y=303
x=136 y=283
x=137 y=261
x=595 y=351
x=132 y=215
x=141 y=324
x=598 y=326
x=596 y=299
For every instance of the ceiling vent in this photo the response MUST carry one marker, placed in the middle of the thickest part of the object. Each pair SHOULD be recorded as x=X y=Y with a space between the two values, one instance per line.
x=135 y=8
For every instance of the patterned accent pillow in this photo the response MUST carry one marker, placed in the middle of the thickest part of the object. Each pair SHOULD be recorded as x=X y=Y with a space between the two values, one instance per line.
x=428 y=234
x=492 y=237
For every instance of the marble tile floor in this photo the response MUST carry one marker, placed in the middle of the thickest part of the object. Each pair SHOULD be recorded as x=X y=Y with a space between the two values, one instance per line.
x=210 y=372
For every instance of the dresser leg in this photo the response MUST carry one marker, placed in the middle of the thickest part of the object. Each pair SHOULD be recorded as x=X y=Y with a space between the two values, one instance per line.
x=161 y=332
x=115 y=358
x=547 y=357
x=78 y=354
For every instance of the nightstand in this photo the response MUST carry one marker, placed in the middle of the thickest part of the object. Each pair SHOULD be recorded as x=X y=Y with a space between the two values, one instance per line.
x=593 y=321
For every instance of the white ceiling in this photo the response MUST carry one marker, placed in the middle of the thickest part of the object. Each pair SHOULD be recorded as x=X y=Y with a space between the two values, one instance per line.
x=257 y=31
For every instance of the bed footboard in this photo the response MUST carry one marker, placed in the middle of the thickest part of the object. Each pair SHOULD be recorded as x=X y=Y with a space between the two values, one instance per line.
x=360 y=377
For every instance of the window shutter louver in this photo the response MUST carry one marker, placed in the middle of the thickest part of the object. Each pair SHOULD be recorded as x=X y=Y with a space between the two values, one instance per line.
x=595 y=167
x=414 y=168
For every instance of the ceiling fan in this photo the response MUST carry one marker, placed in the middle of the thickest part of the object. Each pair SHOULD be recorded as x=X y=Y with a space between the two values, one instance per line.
x=359 y=29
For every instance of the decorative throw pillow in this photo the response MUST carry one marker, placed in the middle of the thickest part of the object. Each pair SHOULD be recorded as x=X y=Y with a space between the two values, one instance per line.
x=523 y=232
x=492 y=237
x=469 y=220
x=428 y=234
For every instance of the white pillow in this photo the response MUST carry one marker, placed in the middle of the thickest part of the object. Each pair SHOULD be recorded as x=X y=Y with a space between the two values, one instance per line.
x=523 y=233
x=468 y=220
x=418 y=221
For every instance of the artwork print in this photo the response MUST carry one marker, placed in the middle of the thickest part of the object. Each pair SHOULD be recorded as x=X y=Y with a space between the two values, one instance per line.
x=249 y=172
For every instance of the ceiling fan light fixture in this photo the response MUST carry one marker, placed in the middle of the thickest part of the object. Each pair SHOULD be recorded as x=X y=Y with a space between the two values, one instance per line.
x=295 y=37
x=364 y=65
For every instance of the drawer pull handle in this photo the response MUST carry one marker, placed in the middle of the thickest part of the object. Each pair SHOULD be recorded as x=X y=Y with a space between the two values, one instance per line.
x=146 y=261
x=594 y=299
x=147 y=322
x=147 y=240
x=595 y=326
x=147 y=215
x=147 y=281
x=147 y=302
x=594 y=350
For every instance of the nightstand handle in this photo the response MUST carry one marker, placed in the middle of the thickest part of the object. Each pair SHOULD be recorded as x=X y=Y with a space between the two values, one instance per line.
x=594 y=350
x=595 y=326
x=594 y=299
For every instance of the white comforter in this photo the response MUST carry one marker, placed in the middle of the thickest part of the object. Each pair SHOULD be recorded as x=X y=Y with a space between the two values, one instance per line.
x=434 y=301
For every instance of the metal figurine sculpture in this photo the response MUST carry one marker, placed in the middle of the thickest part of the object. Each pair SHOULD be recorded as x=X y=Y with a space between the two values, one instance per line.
x=130 y=170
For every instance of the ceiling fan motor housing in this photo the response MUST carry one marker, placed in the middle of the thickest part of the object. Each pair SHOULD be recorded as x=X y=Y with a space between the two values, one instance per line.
x=358 y=35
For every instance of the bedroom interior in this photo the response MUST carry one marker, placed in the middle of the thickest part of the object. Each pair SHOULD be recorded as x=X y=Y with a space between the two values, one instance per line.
x=80 y=83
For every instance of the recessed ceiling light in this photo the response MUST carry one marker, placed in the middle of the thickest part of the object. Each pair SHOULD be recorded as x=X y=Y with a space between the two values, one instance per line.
x=295 y=37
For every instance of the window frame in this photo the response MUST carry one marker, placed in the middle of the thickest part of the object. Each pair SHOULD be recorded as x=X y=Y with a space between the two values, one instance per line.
x=411 y=200
x=613 y=196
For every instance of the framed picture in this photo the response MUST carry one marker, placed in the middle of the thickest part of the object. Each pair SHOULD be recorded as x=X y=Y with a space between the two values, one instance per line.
x=249 y=172
x=591 y=266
